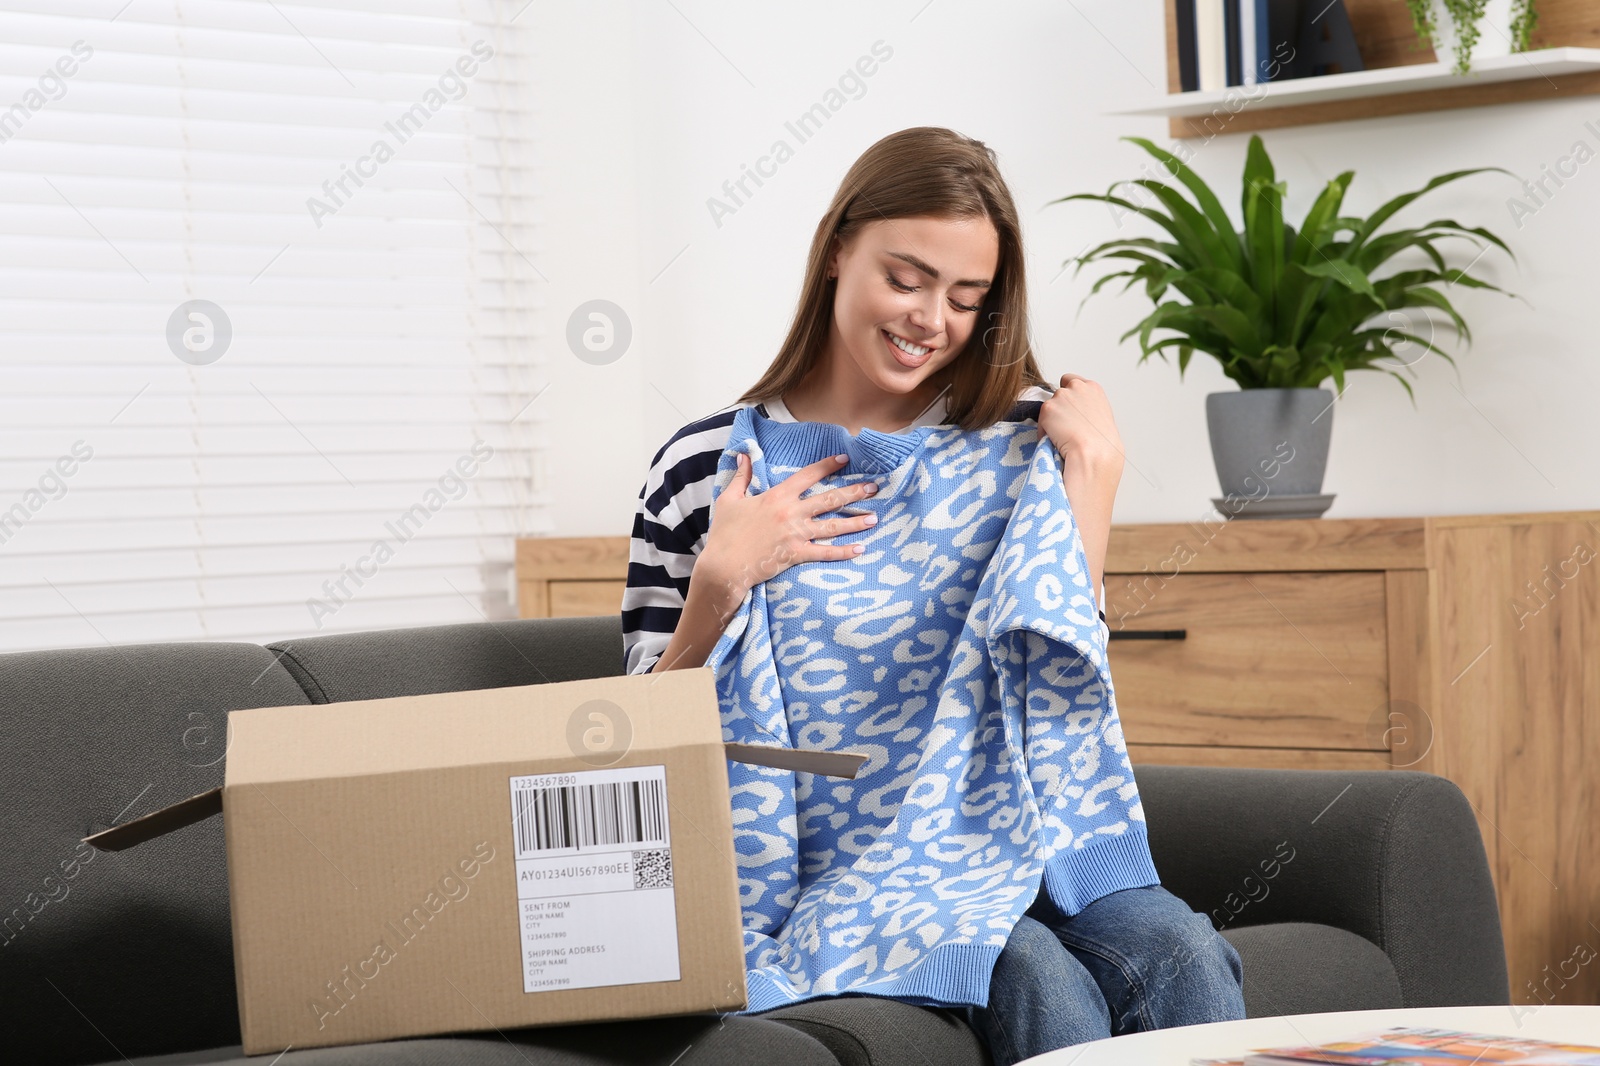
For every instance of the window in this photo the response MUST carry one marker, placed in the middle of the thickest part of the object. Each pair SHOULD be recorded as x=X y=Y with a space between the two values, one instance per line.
x=269 y=282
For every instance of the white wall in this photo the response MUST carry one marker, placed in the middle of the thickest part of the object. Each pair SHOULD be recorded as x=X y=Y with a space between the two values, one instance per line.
x=648 y=108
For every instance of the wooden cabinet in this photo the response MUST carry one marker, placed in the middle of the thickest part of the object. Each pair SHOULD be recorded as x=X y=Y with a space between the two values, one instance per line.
x=563 y=577
x=1291 y=660
x=1466 y=646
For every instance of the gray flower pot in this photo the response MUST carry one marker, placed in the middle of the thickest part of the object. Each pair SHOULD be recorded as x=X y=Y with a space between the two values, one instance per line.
x=1270 y=441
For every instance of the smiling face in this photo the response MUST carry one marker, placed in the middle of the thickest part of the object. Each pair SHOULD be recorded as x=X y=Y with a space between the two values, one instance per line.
x=907 y=301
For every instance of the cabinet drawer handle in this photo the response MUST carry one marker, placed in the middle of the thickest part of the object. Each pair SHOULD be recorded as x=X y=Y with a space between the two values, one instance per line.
x=1149 y=634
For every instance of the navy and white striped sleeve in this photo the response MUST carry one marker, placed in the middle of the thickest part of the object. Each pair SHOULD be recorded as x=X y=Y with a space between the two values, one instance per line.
x=669 y=531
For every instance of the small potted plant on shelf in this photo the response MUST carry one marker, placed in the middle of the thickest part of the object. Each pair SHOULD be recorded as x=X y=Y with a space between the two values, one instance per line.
x=1457 y=27
x=1282 y=310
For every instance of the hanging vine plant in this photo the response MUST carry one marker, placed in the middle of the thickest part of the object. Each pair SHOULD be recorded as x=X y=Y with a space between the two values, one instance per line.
x=1465 y=15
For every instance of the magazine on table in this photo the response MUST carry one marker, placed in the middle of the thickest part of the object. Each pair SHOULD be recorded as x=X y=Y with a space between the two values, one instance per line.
x=1420 y=1046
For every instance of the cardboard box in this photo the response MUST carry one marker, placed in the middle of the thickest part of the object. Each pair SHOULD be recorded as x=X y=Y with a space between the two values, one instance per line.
x=500 y=858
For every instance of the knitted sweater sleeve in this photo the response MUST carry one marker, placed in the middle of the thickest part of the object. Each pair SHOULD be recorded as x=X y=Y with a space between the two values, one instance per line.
x=767 y=834
x=1050 y=650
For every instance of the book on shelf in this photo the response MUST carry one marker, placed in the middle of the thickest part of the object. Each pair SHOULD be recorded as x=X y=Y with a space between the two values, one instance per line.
x=1188 y=72
x=1227 y=43
x=1232 y=42
x=1420 y=1046
x=1211 y=45
x=1277 y=40
x=1249 y=44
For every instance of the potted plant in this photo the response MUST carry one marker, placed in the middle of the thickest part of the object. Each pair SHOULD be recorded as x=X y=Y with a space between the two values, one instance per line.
x=1281 y=309
x=1454 y=27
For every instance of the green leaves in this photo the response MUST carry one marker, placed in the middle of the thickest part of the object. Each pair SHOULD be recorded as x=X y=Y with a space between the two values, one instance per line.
x=1209 y=204
x=1345 y=273
x=1321 y=221
x=1276 y=306
x=1384 y=213
x=1262 y=203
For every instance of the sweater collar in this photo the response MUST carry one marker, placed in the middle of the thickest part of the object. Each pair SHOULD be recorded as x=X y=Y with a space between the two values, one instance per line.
x=796 y=444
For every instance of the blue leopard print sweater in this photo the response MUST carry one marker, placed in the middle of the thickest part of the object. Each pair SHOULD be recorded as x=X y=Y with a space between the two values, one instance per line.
x=962 y=652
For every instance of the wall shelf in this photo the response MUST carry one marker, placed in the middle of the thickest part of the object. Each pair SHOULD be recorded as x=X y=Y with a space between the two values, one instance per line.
x=1417 y=77
x=1403 y=76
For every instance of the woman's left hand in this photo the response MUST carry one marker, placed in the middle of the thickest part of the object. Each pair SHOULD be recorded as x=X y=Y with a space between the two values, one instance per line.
x=1078 y=421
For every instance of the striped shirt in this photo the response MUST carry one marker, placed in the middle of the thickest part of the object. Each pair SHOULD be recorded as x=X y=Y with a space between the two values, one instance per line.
x=674 y=515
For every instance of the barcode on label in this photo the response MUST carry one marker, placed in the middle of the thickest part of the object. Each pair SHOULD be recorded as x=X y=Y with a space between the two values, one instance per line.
x=603 y=814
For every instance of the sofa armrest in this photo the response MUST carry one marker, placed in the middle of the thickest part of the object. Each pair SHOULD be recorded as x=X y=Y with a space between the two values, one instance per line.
x=1393 y=856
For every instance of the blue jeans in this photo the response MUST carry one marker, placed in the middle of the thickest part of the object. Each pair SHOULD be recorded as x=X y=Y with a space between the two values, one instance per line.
x=1135 y=960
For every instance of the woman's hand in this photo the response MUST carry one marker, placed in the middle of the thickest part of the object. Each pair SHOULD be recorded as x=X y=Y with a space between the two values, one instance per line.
x=753 y=538
x=1078 y=421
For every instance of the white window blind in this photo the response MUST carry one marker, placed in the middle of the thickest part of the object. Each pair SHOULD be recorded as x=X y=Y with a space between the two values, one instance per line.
x=350 y=184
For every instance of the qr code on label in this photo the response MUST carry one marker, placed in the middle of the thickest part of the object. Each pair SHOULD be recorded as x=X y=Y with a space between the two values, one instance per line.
x=652 y=869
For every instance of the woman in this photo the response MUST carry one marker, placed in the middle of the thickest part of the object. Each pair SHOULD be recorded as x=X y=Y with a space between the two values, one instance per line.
x=913 y=314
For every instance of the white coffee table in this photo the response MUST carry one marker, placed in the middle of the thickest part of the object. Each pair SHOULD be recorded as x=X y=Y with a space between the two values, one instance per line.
x=1175 y=1047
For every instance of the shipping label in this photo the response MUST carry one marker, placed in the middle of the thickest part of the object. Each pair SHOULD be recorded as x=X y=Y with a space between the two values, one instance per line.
x=595 y=899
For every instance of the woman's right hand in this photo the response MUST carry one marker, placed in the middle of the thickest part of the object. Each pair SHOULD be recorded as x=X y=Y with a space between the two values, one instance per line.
x=753 y=538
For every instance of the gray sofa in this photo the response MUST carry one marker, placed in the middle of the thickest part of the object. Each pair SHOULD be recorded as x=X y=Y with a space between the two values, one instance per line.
x=1341 y=890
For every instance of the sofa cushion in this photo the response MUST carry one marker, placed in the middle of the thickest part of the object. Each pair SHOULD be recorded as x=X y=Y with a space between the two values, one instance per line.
x=1307 y=968
x=104 y=954
x=873 y=1031
x=421 y=660
x=694 y=1040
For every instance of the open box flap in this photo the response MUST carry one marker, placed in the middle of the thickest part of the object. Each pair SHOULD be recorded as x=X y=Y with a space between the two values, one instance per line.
x=203 y=806
x=807 y=760
x=158 y=823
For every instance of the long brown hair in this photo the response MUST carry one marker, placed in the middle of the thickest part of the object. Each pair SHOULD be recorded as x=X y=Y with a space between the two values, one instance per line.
x=924 y=171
